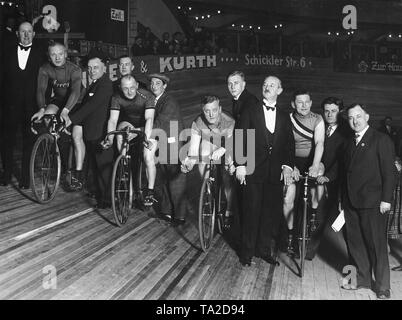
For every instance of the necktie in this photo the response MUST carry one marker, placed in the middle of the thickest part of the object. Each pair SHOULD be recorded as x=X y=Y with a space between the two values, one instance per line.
x=329 y=130
x=269 y=108
x=24 y=48
x=357 y=136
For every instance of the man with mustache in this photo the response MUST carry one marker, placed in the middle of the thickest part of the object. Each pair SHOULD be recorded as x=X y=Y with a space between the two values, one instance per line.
x=262 y=193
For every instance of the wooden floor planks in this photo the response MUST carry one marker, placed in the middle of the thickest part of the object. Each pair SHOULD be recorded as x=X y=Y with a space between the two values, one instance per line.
x=146 y=259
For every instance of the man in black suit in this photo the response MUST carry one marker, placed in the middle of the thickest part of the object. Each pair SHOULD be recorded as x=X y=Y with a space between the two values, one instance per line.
x=242 y=98
x=170 y=184
x=369 y=185
x=21 y=62
x=93 y=115
x=335 y=136
x=262 y=194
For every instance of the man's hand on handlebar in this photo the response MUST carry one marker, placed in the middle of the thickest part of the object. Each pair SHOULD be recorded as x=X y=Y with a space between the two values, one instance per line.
x=217 y=154
x=107 y=143
x=39 y=115
x=148 y=144
x=64 y=117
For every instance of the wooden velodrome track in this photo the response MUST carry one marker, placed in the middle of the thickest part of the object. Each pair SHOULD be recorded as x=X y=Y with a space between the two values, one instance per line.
x=147 y=259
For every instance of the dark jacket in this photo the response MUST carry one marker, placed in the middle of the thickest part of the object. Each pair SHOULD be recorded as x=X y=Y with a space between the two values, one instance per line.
x=245 y=100
x=169 y=119
x=268 y=163
x=18 y=84
x=333 y=152
x=370 y=170
x=93 y=113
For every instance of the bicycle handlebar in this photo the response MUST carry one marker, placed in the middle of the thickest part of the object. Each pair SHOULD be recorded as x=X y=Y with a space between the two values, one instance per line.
x=52 y=118
x=125 y=132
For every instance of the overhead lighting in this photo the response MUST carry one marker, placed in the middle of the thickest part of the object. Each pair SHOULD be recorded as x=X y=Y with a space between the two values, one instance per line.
x=280 y=25
x=208 y=16
x=179 y=7
x=189 y=8
x=390 y=36
x=276 y=26
x=352 y=32
x=329 y=33
x=400 y=36
x=202 y=17
x=233 y=25
x=259 y=28
x=337 y=33
x=196 y=18
x=251 y=27
x=219 y=11
x=242 y=26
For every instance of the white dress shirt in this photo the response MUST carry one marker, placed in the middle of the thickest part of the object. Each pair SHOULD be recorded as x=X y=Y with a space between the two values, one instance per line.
x=23 y=56
x=270 y=116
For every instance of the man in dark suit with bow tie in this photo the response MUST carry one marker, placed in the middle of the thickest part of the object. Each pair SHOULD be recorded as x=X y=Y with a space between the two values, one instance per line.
x=369 y=185
x=262 y=194
x=93 y=115
x=21 y=62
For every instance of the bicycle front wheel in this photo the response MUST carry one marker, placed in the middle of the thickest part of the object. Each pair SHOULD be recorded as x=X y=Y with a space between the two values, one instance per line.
x=206 y=214
x=45 y=167
x=122 y=189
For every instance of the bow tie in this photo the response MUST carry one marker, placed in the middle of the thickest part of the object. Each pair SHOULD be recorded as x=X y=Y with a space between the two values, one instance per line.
x=269 y=108
x=24 y=48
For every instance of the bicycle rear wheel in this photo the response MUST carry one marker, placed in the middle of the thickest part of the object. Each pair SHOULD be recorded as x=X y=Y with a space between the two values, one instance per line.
x=122 y=189
x=206 y=214
x=45 y=167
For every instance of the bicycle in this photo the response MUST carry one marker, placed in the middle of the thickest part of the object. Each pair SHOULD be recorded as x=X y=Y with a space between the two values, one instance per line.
x=123 y=188
x=212 y=204
x=45 y=162
x=307 y=223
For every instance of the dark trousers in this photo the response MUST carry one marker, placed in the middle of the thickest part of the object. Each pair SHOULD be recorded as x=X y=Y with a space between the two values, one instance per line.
x=16 y=118
x=101 y=162
x=170 y=190
x=366 y=231
x=261 y=214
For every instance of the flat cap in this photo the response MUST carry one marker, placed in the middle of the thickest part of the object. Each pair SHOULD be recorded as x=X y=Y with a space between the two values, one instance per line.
x=160 y=76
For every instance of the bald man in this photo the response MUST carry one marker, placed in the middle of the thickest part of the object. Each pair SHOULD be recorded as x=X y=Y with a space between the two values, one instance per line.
x=20 y=70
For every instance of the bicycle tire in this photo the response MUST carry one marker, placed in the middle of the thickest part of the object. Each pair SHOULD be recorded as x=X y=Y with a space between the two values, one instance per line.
x=45 y=168
x=303 y=239
x=206 y=215
x=122 y=189
x=221 y=210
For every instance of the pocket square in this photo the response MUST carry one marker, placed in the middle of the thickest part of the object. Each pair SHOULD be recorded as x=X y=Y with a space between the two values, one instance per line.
x=91 y=94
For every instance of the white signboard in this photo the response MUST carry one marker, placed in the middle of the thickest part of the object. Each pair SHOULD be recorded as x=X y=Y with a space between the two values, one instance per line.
x=117 y=14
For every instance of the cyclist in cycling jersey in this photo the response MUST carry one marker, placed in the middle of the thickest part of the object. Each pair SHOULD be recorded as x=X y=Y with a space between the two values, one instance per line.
x=135 y=108
x=59 y=87
x=207 y=132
